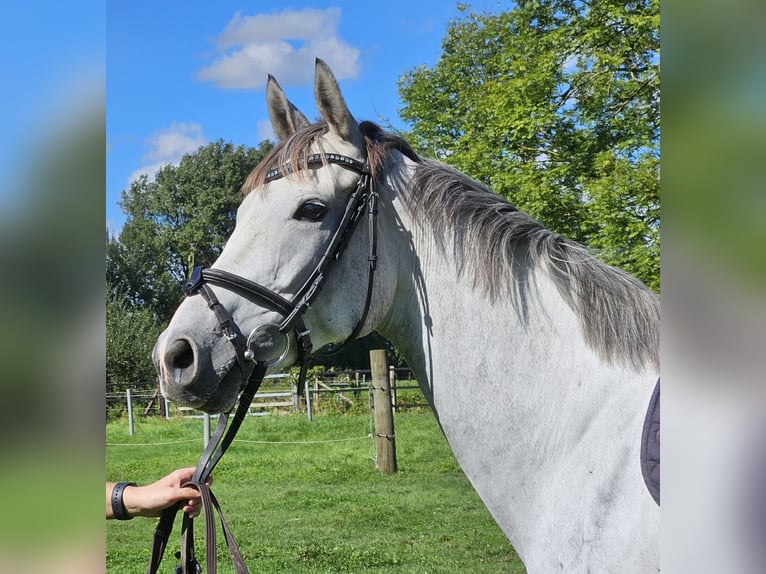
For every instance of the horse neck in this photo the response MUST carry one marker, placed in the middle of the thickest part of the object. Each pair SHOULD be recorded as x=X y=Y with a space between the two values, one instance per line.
x=457 y=329
x=509 y=376
x=443 y=316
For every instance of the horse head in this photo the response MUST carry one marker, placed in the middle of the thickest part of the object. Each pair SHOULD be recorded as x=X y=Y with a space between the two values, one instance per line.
x=280 y=285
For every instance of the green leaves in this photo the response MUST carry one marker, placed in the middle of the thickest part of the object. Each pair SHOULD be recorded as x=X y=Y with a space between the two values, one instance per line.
x=555 y=105
x=179 y=220
x=130 y=335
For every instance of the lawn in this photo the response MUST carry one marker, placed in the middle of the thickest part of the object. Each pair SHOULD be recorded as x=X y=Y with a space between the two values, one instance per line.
x=300 y=499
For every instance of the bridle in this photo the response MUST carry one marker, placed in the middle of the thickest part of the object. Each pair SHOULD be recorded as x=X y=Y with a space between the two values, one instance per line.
x=364 y=197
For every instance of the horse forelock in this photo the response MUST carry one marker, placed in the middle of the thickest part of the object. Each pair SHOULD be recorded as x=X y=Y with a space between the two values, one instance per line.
x=293 y=151
x=498 y=245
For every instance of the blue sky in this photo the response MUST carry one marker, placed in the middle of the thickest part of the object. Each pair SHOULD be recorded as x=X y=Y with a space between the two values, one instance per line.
x=181 y=74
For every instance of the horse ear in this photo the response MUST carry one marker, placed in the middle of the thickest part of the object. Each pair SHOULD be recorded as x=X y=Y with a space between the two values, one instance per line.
x=285 y=117
x=333 y=107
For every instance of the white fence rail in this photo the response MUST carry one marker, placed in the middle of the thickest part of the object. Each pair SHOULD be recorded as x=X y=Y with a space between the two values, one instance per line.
x=348 y=388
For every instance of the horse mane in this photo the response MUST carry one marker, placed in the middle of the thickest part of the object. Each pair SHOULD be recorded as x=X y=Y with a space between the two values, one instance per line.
x=493 y=240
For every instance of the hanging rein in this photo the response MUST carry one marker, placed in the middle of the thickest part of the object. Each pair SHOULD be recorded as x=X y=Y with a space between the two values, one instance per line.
x=363 y=198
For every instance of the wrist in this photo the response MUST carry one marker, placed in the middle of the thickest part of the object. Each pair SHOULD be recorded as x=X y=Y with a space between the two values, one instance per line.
x=120 y=510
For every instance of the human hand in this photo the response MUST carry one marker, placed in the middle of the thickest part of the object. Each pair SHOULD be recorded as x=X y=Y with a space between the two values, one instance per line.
x=152 y=499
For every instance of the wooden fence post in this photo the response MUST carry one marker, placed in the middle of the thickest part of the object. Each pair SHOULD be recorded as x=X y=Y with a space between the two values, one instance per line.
x=385 y=439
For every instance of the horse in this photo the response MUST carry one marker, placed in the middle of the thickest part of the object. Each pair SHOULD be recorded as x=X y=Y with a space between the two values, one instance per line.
x=483 y=302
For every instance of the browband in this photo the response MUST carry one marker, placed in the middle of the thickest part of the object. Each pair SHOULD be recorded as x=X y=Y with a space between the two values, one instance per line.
x=318 y=160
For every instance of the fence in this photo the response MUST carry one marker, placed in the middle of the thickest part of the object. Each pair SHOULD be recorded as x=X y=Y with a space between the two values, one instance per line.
x=381 y=393
x=337 y=391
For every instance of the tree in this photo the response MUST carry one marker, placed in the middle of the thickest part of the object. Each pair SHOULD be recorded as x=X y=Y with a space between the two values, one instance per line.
x=555 y=105
x=131 y=331
x=177 y=221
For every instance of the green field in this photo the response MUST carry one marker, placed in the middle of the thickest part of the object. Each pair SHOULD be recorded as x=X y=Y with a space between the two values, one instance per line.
x=299 y=503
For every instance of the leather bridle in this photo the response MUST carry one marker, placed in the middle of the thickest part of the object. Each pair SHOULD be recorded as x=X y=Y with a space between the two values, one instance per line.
x=364 y=197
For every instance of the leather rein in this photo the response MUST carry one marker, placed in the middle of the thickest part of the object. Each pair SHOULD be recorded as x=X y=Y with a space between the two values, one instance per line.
x=363 y=198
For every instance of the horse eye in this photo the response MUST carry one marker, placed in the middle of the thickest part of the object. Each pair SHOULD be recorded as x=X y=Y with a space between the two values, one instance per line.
x=311 y=210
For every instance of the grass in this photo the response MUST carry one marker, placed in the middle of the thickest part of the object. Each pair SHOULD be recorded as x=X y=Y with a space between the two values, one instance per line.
x=317 y=507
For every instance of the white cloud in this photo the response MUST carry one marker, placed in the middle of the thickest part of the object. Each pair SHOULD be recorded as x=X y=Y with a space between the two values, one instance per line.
x=167 y=146
x=265 y=131
x=284 y=44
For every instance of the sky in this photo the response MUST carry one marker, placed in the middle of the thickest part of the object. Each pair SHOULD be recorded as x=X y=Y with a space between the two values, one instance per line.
x=180 y=74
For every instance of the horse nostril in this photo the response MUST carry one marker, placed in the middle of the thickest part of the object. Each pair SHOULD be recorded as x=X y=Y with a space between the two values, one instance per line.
x=180 y=354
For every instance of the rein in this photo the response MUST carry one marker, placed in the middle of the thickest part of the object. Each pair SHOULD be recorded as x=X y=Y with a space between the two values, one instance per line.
x=364 y=197
x=215 y=449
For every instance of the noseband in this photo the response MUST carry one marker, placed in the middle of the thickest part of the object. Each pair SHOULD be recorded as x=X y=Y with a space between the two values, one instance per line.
x=363 y=197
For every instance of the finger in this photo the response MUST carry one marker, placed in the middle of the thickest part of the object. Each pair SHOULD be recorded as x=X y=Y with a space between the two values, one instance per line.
x=189 y=492
x=192 y=513
x=184 y=474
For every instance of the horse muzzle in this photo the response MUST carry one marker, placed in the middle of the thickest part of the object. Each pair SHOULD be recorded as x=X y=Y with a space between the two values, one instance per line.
x=197 y=374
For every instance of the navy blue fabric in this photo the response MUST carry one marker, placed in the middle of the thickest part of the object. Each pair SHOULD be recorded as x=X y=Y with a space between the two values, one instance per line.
x=650 y=445
x=753 y=498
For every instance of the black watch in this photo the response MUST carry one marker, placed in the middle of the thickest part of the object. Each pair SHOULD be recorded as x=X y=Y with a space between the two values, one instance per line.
x=118 y=508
